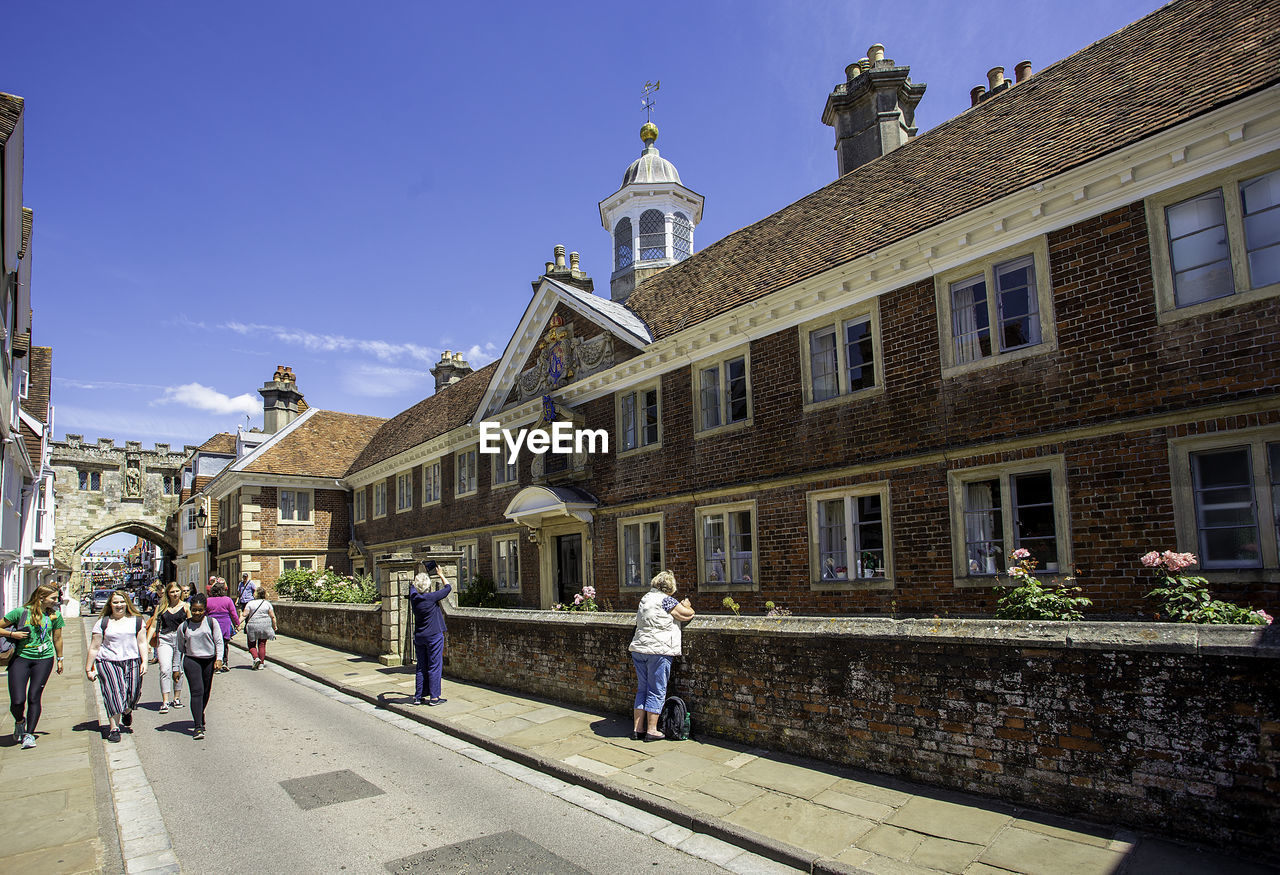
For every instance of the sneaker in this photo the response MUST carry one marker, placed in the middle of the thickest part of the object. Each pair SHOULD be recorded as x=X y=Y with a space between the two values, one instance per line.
x=164 y=707
x=198 y=735
x=126 y=719
x=437 y=701
x=28 y=741
x=416 y=702
x=177 y=703
x=114 y=736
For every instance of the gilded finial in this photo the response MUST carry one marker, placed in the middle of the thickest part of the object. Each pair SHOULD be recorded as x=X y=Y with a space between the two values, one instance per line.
x=649 y=133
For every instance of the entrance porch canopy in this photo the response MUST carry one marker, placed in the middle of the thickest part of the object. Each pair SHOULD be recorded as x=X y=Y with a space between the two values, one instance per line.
x=533 y=504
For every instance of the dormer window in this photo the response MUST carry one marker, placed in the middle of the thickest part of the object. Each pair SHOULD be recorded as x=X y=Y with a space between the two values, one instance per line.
x=653 y=235
x=623 y=255
x=682 y=236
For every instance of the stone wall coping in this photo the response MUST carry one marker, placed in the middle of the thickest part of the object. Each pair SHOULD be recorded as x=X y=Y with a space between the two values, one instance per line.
x=328 y=606
x=1243 y=641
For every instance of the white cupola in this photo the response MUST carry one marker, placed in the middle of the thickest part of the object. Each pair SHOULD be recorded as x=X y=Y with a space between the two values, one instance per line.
x=650 y=218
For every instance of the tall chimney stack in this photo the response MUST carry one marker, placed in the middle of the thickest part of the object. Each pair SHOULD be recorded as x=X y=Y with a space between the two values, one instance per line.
x=873 y=111
x=282 y=403
x=451 y=368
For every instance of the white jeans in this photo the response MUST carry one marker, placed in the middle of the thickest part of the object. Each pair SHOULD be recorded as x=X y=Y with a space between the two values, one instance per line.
x=169 y=689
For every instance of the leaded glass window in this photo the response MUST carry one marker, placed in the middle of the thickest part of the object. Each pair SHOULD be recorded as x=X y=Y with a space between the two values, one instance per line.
x=653 y=235
x=623 y=254
x=682 y=236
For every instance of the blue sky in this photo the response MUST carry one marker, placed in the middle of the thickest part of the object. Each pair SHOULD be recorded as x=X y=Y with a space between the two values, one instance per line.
x=349 y=189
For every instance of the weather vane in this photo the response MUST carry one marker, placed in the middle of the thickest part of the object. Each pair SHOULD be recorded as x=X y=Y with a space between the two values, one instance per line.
x=646 y=102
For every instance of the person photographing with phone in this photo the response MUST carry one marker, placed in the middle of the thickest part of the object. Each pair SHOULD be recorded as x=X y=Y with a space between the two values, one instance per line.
x=428 y=632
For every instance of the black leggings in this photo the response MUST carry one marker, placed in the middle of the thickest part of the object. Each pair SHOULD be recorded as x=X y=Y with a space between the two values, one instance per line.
x=199 y=672
x=27 y=678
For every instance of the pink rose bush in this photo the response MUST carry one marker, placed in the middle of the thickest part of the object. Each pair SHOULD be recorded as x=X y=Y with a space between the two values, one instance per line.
x=582 y=601
x=1026 y=598
x=1185 y=598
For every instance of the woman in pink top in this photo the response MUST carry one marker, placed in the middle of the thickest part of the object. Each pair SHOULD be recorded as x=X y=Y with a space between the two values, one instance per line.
x=222 y=609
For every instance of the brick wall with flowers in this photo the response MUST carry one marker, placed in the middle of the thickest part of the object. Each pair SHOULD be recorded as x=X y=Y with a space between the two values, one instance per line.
x=1169 y=727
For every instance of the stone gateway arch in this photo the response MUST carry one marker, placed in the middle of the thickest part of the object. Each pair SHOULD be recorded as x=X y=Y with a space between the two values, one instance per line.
x=101 y=489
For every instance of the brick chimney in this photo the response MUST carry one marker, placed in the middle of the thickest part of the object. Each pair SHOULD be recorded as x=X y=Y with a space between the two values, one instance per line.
x=282 y=403
x=570 y=274
x=451 y=368
x=873 y=110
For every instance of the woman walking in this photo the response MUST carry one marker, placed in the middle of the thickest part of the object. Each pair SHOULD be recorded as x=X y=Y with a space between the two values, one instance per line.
x=36 y=632
x=115 y=661
x=199 y=646
x=428 y=633
x=222 y=608
x=655 y=644
x=171 y=613
x=259 y=622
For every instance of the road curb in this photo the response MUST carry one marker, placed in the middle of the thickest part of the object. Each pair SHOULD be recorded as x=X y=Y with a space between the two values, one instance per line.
x=680 y=815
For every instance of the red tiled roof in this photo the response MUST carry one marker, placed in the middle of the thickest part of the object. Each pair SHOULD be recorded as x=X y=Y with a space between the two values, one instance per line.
x=323 y=446
x=451 y=407
x=1179 y=62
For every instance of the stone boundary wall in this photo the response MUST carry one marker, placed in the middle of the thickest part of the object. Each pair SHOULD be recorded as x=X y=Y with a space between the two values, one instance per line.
x=353 y=628
x=1165 y=727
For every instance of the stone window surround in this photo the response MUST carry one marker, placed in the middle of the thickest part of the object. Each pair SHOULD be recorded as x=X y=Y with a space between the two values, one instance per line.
x=1228 y=181
x=427 y=498
x=870 y=584
x=498 y=466
x=493 y=556
x=637 y=390
x=743 y=352
x=701 y=513
x=311 y=507
x=956 y=479
x=639 y=520
x=300 y=559
x=870 y=309
x=404 y=491
x=1184 y=514
x=1038 y=249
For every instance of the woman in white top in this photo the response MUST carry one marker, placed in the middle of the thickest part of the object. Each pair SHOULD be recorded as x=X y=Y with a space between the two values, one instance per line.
x=655 y=644
x=115 y=660
x=258 y=619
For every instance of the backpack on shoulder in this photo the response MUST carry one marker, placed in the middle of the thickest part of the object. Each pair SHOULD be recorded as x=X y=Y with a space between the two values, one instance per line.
x=674 y=720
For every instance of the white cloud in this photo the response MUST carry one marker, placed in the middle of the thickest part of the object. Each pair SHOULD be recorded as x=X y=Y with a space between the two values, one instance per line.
x=378 y=381
x=72 y=383
x=205 y=398
x=379 y=349
x=137 y=424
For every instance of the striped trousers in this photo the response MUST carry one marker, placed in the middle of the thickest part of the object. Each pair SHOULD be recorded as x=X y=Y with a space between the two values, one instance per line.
x=119 y=684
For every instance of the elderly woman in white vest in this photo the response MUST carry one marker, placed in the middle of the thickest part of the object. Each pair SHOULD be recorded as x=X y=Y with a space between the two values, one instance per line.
x=656 y=642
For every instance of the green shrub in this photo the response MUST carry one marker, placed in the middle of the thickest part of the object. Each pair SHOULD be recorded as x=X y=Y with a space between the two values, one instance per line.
x=305 y=585
x=1026 y=598
x=481 y=592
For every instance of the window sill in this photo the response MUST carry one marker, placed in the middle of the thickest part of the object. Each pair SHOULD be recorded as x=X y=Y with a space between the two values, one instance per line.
x=640 y=450
x=984 y=582
x=1241 y=576
x=846 y=398
x=1172 y=313
x=874 y=584
x=295 y=522
x=991 y=361
x=723 y=429
x=728 y=587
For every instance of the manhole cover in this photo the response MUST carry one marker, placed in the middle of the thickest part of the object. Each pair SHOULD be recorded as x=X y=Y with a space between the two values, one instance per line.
x=497 y=854
x=329 y=788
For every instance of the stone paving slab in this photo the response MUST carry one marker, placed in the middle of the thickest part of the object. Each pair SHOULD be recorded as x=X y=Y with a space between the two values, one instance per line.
x=948 y=820
x=803 y=823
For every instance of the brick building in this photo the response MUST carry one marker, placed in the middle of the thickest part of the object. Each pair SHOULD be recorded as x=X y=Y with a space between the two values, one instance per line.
x=1050 y=322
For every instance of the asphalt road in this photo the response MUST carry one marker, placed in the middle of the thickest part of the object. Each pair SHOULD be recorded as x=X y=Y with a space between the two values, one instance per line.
x=290 y=779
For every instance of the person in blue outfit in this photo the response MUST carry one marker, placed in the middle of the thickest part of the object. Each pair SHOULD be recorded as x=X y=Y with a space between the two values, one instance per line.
x=428 y=633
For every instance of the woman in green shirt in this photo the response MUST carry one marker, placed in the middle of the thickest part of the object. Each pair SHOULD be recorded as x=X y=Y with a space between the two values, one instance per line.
x=36 y=630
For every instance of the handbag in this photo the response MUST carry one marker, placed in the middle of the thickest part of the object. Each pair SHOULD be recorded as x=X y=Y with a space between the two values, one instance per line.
x=8 y=648
x=153 y=635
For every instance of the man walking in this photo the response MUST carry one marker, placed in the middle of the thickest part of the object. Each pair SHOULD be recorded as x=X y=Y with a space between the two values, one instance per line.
x=247 y=586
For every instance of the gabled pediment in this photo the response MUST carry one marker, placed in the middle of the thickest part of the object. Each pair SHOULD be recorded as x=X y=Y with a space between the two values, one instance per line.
x=566 y=334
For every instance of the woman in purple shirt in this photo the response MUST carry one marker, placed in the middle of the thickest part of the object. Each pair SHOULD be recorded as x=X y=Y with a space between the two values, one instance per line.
x=222 y=609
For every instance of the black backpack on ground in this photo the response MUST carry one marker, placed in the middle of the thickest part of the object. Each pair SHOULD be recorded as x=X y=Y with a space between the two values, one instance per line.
x=675 y=721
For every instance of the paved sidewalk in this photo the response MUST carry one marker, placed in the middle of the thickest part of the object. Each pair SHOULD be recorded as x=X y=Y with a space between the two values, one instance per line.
x=807 y=814
x=56 y=815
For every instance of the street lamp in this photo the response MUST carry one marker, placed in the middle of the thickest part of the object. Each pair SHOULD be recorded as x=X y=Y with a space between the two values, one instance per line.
x=202 y=517
x=202 y=520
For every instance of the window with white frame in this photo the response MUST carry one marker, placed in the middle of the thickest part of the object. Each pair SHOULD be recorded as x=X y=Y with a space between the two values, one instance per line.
x=726 y=546
x=997 y=310
x=380 y=499
x=431 y=482
x=295 y=505
x=850 y=538
x=640 y=553
x=623 y=254
x=295 y=563
x=404 y=491
x=1227 y=499
x=191 y=519
x=653 y=235
x=24 y=385
x=360 y=504
x=1216 y=241
x=1001 y=508
x=506 y=563
x=504 y=472
x=723 y=393
x=681 y=236
x=465 y=465
x=467 y=567
x=637 y=418
x=193 y=575
x=840 y=355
